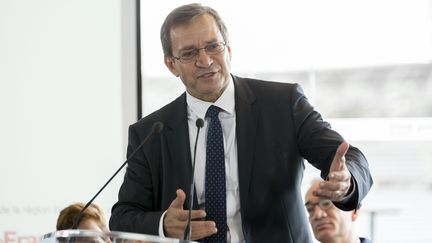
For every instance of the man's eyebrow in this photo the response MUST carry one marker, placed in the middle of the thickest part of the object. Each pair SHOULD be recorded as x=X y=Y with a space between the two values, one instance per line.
x=213 y=41
x=189 y=47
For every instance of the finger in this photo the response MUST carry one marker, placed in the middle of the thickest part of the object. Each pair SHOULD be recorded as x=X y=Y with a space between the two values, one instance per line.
x=332 y=195
x=202 y=229
x=179 y=200
x=198 y=214
x=340 y=153
x=334 y=191
x=338 y=162
x=334 y=186
x=195 y=214
x=339 y=176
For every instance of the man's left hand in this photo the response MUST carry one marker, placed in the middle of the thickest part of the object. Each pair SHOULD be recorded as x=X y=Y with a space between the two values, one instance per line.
x=338 y=180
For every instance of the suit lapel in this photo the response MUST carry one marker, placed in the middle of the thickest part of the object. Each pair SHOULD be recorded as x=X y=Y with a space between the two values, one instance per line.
x=178 y=146
x=246 y=122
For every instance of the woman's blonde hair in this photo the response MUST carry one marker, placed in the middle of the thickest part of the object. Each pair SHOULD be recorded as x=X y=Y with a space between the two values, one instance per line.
x=67 y=216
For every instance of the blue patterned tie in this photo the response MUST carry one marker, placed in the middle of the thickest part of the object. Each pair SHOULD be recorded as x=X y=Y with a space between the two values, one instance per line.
x=215 y=195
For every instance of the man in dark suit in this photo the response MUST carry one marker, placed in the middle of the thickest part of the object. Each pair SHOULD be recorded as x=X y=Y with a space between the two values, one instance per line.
x=268 y=129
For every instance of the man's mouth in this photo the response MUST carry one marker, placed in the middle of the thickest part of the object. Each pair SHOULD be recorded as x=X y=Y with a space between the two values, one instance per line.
x=207 y=75
x=322 y=226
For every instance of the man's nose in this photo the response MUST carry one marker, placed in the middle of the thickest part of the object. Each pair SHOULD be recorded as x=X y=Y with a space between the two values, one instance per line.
x=203 y=59
x=319 y=213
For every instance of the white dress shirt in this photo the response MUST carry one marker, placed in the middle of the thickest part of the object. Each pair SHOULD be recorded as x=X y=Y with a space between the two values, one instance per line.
x=197 y=108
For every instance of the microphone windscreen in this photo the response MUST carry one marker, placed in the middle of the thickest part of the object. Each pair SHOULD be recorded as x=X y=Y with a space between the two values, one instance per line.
x=157 y=127
x=199 y=123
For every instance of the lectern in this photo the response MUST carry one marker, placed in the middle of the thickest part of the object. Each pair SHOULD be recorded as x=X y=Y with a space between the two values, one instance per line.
x=89 y=236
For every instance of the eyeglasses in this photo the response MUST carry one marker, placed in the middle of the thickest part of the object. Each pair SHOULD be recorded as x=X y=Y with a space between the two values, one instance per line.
x=324 y=204
x=186 y=56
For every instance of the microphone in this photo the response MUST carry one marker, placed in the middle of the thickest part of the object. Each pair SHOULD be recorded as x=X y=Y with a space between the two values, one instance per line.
x=187 y=234
x=156 y=128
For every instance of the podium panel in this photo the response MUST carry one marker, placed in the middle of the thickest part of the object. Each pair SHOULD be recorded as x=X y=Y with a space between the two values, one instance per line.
x=89 y=236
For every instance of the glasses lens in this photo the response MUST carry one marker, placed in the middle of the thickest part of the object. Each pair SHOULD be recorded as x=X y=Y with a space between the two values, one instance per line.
x=188 y=55
x=325 y=204
x=215 y=48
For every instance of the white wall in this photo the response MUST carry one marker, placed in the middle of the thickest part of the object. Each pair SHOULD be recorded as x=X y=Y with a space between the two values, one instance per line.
x=65 y=103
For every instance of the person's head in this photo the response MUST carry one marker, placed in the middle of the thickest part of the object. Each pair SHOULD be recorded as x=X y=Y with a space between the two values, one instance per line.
x=92 y=218
x=196 y=49
x=329 y=223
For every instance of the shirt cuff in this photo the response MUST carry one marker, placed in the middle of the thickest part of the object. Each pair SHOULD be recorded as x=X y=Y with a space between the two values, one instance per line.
x=161 y=229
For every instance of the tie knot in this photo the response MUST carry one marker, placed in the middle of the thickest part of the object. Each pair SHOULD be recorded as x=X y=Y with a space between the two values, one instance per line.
x=213 y=112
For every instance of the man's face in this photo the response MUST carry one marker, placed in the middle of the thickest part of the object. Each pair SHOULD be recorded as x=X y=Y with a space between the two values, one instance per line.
x=330 y=222
x=206 y=76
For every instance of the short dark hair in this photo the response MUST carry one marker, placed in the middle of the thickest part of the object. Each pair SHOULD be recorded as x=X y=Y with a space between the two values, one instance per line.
x=185 y=14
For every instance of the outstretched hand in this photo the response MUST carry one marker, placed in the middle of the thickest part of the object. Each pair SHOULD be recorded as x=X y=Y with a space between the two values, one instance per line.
x=176 y=217
x=338 y=180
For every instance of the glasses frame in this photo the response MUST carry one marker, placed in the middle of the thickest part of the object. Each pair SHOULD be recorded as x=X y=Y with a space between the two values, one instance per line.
x=322 y=204
x=197 y=52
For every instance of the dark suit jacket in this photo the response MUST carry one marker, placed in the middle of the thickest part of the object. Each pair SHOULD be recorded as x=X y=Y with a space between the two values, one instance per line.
x=276 y=129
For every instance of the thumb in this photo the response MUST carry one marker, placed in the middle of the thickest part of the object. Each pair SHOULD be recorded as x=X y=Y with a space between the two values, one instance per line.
x=339 y=158
x=179 y=200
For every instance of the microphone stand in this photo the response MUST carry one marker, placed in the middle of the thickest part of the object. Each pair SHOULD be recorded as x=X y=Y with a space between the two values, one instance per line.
x=157 y=128
x=188 y=231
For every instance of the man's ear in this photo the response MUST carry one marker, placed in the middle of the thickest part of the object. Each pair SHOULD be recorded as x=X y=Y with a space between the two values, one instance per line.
x=169 y=62
x=229 y=52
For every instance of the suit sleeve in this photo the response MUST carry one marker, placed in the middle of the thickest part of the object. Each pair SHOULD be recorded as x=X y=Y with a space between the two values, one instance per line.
x=318 y=144
x=135 y=210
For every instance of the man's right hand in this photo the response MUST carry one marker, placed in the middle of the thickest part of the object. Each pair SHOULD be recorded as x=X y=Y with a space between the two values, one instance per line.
x=176 y=217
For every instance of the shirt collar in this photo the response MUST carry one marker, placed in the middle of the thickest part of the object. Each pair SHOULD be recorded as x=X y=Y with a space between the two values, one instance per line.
x=225 y=101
